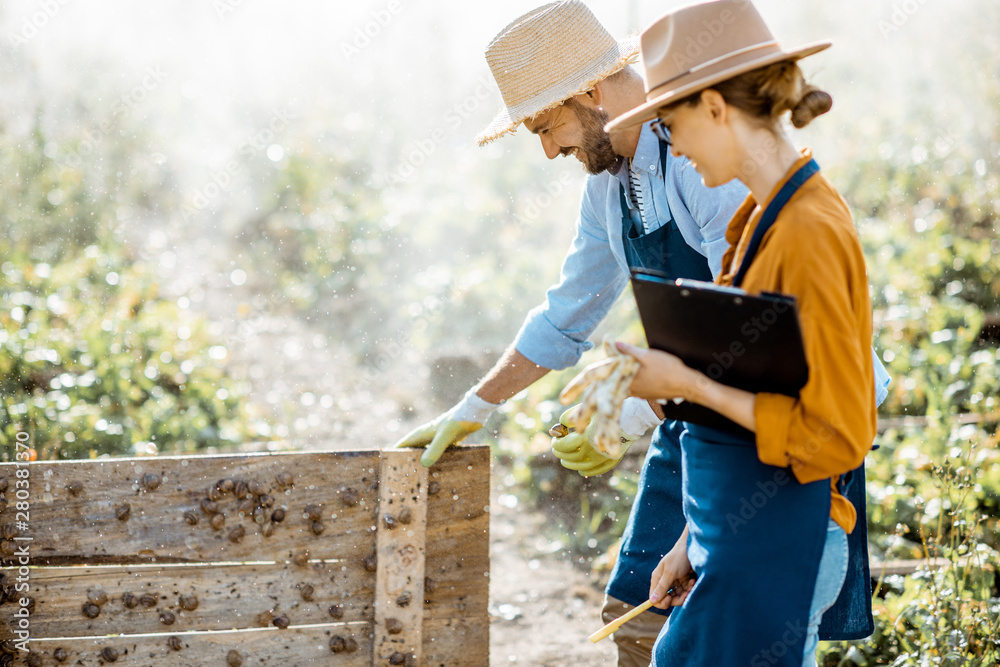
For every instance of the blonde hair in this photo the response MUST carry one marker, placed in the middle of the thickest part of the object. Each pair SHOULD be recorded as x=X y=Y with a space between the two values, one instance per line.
x=768 y=92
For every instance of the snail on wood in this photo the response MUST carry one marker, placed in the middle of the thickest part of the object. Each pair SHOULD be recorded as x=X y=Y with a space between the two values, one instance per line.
x=151 y=481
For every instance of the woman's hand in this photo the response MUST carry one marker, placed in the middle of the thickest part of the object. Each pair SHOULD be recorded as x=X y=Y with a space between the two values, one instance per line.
x=661 y=375
x=664 y=376
x=673 y=578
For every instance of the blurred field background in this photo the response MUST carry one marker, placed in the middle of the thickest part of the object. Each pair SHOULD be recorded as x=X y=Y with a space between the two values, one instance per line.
x=256 y=224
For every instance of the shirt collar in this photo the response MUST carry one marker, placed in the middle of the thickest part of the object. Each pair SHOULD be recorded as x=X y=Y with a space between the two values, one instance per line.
x=647 y=154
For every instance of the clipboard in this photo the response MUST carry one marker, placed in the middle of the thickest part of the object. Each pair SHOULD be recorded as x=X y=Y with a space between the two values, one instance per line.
x=753 y=342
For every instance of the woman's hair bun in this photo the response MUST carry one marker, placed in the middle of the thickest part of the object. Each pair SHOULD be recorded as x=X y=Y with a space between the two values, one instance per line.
x=770 y=91
x=814 y=102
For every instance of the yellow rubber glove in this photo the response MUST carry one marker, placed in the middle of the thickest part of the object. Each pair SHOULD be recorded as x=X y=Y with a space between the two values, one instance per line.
x=576 y=451
x=467 y=417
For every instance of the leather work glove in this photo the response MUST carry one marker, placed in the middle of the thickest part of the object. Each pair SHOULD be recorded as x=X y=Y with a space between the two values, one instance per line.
x=468 y=416
x=576 y=451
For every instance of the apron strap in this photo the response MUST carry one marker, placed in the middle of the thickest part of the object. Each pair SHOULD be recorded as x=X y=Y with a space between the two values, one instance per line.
x=771 y=214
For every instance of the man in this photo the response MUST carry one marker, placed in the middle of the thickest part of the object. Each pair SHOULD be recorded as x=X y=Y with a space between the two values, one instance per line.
x=563 y=76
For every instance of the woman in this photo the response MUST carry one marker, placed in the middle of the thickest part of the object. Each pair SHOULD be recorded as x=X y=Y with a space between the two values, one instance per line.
x=753 y=584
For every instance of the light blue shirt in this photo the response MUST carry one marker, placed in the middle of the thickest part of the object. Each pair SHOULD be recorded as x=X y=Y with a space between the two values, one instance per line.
x=595 y=272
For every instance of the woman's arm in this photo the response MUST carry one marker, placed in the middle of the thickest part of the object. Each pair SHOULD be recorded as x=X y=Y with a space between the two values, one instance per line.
x=671 y=580
x=664 y=376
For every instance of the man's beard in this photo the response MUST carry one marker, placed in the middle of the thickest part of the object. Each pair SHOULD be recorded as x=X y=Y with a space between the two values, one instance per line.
x=594 y=151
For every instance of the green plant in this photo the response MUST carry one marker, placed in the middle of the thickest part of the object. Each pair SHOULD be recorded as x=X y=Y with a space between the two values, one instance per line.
x=94 y=361
x=949 y=612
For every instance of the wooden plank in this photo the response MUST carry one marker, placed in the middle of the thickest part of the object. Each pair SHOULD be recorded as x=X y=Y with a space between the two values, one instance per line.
x=907 y=567
x=457 y=642
x=83 y=528
x=399 y=579
x=225 y=597
x=884 y=424
x=456 y=620
x=265 y=648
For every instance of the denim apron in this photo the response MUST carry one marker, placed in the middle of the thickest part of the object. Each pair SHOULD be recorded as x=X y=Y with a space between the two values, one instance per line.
x=664 y=249
x=656 y=510
x=850 y=617
x=742 y=513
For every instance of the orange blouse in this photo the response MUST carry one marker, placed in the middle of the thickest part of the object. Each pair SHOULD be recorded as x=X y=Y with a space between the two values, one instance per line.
x=813 y=252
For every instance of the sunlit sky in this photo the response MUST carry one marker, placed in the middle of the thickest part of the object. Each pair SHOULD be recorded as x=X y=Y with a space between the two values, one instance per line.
x=206 y=76
x=367 y=61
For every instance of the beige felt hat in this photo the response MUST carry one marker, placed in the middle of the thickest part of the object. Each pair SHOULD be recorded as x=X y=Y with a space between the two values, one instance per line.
x=548 y=55
x=692 y=48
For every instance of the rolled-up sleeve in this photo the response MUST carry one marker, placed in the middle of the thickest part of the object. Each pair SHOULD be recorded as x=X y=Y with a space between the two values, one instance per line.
x=555 y=333
x=827 y=430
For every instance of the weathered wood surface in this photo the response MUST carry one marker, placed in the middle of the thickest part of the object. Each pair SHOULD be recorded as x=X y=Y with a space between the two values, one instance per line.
x=265 y=648
x=399 y=579
x=886 y=423
x=68 y=529
x=226 y=597
x=457 y=564
x=907 y=567
x=236 y=581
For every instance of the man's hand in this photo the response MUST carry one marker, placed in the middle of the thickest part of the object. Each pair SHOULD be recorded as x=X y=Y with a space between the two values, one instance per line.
x=673 y=578
x=467 y=417
x=576 y=451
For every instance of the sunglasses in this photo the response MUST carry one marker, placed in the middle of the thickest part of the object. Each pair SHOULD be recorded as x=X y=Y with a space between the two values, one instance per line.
x=662 y=130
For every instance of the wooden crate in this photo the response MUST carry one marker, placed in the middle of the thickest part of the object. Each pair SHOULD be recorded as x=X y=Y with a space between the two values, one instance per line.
x=392 y=566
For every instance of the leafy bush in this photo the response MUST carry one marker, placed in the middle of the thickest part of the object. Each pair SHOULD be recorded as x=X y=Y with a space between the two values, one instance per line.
x=92 y=359
x=949 y=612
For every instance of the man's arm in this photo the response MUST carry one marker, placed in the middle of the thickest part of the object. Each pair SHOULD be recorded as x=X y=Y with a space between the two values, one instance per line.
x=554 y=334
x=511 y=374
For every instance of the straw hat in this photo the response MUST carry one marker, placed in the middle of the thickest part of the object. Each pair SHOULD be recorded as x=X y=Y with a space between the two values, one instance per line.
x=692 y=48
x=547 y=56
